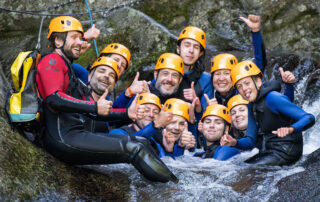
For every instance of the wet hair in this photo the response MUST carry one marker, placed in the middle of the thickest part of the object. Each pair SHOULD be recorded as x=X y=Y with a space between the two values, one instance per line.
x=179 y=44
x=61 y=35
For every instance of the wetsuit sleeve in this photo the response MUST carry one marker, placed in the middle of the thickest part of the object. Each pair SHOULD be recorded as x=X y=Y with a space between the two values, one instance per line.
x=115 y=116
x=122 y=101
x=81 y=72
x=280 y=104
x=207 y=88
x=148 y=131
x=289 y=91
x=259 y=50
x=118 y=131
x=66 y=103
x=53 y=81
x=248 y=141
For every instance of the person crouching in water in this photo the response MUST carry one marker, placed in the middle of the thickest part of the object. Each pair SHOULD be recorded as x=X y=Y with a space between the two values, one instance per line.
x=280 y=121
x=215 y=122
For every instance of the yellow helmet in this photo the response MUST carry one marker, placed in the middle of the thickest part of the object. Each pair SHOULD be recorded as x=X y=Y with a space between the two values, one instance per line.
x=170 y=61
x=177 y=107
x=236 y=100
x=117 y=49
x=64 y=24
x=244 y=69
x=223 y=61
x=149 y=98
x=194 y=33
x=106 y=61
x=217 y=110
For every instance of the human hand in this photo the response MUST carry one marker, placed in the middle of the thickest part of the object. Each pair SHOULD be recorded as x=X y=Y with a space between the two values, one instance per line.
x=136 y=111
x=137 y=86
x=162 y=119
x=287 y=76
x=190 y=93
x=84 y=47
x=187 y=140
x=226 y=139
x=91 y=33
x=253 y=22
x=104 y=106
x=168 y=140
x=210 y=101
x=282 y=132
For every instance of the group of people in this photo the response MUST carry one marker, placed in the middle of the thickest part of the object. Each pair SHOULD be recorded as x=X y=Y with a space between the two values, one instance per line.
x=225 y=112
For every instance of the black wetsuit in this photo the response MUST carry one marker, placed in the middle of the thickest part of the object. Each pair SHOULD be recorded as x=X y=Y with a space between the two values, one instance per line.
x=271 y=111
x=73 y=132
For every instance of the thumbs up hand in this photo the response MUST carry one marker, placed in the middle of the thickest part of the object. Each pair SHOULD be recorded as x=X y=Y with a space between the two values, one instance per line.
x=187 y=140
x=168 y=140
x=104 y=106
x=137 y=87
x=210 y=101
x=253 y=22
x=287 y=76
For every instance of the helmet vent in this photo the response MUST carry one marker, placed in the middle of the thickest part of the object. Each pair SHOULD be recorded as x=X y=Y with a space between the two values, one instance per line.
x=99 y=59
x=162 y=60
x=169 y=107
x=231 y=61
x=224 y=111
x=62 y=22
x=202 y=36
x=184 y=31
x=116 y=46
x=68 y=22
x=246 y=68
x=140 y=98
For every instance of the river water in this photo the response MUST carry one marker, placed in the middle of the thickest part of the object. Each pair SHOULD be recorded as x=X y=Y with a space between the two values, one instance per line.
x=208 y=179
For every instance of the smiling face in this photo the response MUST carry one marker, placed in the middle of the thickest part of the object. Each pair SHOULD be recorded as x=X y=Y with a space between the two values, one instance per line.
x=122 y=62
x=151 y=111
x=176 y=126
x=222 y=81
x=190 y=51
x=239 y=117
x=167 y=81
x=103 y=78
x=247 y=87
x=72 y=46
x=213 y=129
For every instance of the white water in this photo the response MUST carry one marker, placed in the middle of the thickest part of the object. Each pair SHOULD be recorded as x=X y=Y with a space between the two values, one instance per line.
x=208 y=179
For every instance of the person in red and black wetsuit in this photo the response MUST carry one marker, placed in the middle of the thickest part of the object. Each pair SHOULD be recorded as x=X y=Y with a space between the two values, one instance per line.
x=69 y=110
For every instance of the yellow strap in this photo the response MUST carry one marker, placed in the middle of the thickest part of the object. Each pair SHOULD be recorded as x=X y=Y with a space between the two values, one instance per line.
x=16 y=66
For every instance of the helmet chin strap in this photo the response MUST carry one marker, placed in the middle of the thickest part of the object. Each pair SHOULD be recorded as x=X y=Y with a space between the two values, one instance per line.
x=255 y=85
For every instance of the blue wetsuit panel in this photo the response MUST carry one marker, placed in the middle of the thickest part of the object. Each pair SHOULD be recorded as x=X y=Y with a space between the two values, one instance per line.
x=280 y=104
x=223 y=153
x=81 y=72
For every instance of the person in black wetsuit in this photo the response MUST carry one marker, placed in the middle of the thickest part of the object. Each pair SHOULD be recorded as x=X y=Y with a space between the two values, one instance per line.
x=279 y=121
x=70 y=112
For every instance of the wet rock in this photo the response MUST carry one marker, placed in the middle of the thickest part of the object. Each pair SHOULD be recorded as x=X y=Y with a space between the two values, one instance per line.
x=303 y=186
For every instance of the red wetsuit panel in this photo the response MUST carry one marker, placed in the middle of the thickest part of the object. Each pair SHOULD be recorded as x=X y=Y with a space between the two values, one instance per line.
x=53 y=80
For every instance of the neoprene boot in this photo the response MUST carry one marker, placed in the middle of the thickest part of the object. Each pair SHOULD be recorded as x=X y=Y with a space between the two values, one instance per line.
x=147 y=162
